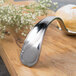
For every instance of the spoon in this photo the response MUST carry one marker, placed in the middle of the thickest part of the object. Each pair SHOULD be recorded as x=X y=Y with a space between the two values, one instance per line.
x=32 y=45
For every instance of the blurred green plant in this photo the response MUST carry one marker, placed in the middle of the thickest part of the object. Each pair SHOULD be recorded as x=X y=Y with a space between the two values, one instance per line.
x=15 y=16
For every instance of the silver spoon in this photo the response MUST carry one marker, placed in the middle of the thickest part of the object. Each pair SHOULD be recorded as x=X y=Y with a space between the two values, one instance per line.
x=32 y=45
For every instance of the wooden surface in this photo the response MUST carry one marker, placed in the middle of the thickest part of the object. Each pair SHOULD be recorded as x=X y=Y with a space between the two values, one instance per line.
x=58 y=55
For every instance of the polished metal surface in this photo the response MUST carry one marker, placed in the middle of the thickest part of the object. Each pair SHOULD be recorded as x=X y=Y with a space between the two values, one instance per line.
x=32 y=45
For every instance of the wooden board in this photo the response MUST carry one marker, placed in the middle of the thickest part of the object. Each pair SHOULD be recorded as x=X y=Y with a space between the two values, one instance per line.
x=58 y=55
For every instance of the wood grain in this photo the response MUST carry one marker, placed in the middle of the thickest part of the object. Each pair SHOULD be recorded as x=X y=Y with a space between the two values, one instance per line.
x=58 y=55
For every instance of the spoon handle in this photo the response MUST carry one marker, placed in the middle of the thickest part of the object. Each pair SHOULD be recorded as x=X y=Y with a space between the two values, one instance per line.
x=32 y=45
